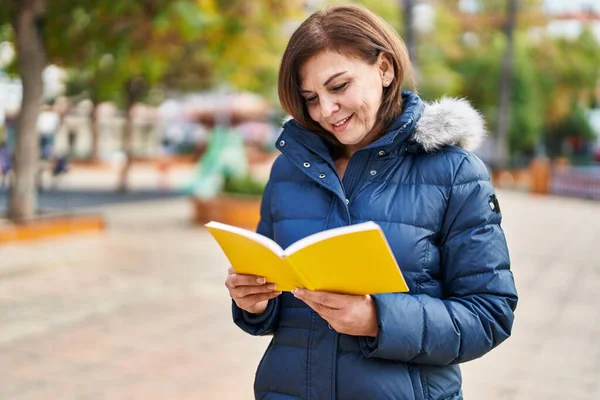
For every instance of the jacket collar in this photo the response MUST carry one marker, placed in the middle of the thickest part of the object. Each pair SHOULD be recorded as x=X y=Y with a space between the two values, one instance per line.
x=402 y=128
x=421 y=127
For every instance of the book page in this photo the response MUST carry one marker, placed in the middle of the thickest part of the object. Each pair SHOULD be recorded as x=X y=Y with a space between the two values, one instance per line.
x=252 y=254
x=257 y=237
x=320 y=236
x=358 y=262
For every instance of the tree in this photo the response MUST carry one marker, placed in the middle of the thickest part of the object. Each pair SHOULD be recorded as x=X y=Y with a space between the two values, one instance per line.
x=575 y=127
x=245 y=43
x=26 y=18
x=410 y=33
x=182 y=45
x=480 y=73
x=506 y=82
x=440 y=49
x=124 y=48
x=568 y=83
x=119 y=50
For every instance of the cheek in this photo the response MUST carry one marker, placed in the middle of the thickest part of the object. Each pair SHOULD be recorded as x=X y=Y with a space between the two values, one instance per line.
x=368 y=102
x=373 y=104
x=368 y=111
x=313 y=112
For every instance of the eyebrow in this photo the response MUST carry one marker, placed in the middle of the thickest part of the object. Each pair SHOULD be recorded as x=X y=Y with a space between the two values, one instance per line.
x=332 y=77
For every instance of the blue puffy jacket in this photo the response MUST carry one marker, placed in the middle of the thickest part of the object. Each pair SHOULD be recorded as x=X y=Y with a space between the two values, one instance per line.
x=434 y=201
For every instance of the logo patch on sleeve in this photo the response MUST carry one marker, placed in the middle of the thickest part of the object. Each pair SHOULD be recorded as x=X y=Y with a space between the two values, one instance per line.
x=493 y=203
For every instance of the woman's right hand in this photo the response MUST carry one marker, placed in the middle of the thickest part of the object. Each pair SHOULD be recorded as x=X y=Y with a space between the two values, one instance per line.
x=250 y=292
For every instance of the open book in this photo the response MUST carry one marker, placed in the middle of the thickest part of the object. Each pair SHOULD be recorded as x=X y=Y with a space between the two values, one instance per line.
x=353 y=259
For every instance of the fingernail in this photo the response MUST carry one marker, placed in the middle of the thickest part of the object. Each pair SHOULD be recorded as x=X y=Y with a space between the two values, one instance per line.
x=297 y=292
x=261 y=280
x=271 y=286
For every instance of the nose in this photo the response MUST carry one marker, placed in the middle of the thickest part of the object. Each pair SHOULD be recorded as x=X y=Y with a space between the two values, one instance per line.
x=328 y=107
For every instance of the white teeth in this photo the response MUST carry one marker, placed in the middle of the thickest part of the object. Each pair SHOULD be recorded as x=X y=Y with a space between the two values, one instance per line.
x=342 y=122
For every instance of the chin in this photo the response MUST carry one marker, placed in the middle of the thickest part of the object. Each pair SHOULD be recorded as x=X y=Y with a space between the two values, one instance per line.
x=348 y=141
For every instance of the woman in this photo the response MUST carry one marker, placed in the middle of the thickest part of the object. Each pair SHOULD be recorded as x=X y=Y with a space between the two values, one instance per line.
x=358 y=149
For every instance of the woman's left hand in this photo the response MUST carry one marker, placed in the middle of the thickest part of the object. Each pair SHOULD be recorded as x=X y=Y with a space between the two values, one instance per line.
x=349 y=314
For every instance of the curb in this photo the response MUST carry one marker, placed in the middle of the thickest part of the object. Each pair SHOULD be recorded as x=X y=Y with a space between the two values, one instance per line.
x=48 y=227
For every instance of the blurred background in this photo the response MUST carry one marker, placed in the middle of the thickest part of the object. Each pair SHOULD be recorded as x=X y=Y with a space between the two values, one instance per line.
x=124 y=126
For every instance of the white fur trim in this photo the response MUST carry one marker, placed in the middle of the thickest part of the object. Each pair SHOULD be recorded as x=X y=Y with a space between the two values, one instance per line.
x=450 y=121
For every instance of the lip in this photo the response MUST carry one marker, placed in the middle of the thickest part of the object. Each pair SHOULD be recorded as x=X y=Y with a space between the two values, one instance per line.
x=343 y=126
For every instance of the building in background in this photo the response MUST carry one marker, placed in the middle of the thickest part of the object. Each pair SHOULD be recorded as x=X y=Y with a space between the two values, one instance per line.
x=569 y=17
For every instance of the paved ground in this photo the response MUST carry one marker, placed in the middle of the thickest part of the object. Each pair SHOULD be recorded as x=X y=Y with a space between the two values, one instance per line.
x=140 y=312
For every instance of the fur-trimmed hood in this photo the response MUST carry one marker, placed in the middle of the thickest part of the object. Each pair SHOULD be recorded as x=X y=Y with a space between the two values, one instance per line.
x=449 y=121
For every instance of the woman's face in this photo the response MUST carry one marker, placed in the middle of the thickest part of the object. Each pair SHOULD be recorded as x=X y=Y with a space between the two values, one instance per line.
x=343 y=95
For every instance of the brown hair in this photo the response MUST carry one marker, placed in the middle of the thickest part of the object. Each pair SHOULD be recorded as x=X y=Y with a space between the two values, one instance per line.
x=353 y=31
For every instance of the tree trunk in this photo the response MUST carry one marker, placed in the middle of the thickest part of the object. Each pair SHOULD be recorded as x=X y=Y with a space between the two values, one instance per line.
x=134 y=90
x=127 y=150
x=506 y=83
x=95 y=131
x=410 y=34
x=31 y=61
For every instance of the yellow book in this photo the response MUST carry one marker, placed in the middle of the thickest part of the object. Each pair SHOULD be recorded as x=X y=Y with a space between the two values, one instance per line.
x=354 y=259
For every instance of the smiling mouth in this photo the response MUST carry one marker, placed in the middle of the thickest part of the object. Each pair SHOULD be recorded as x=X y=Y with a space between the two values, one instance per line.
x=342 y=122
x=341 y=125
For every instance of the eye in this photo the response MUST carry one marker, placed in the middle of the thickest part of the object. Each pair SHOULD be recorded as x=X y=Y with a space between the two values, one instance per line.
x=339 y=88
x=310 y=100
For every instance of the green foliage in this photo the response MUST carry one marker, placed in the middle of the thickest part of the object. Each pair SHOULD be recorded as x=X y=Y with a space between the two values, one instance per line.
x=389 y=10
x=243 y=185
x=575 y=124
x=7 y=33
x=579 y=68
x=246 y=44
x=567 y=70
x=499 y=6
x=437 y=50
x=7 y=12
x=184 y=45
x=114 y=43
x=526 y=103
x=481 y=77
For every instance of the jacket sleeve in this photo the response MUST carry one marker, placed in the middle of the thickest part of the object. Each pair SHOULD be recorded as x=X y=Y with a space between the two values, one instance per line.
x=476 y=313
x=265 y=323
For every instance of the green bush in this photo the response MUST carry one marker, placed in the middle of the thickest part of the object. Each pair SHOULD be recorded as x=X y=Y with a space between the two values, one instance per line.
x=576 y=124
x=243 y=185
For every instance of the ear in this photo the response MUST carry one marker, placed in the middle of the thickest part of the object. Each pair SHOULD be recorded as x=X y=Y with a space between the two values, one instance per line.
x=386 y=68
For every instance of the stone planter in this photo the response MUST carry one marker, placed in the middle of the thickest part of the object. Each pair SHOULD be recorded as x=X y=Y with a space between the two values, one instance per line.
x=519 y=179
x=233 y=209
x=540 y=176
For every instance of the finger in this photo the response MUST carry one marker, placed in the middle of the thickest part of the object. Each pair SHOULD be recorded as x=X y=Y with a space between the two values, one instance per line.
x=251 y=300
x=230 y=271
x=244 y=291
x=324 y=311
x=328 y=299
x=236 y=280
